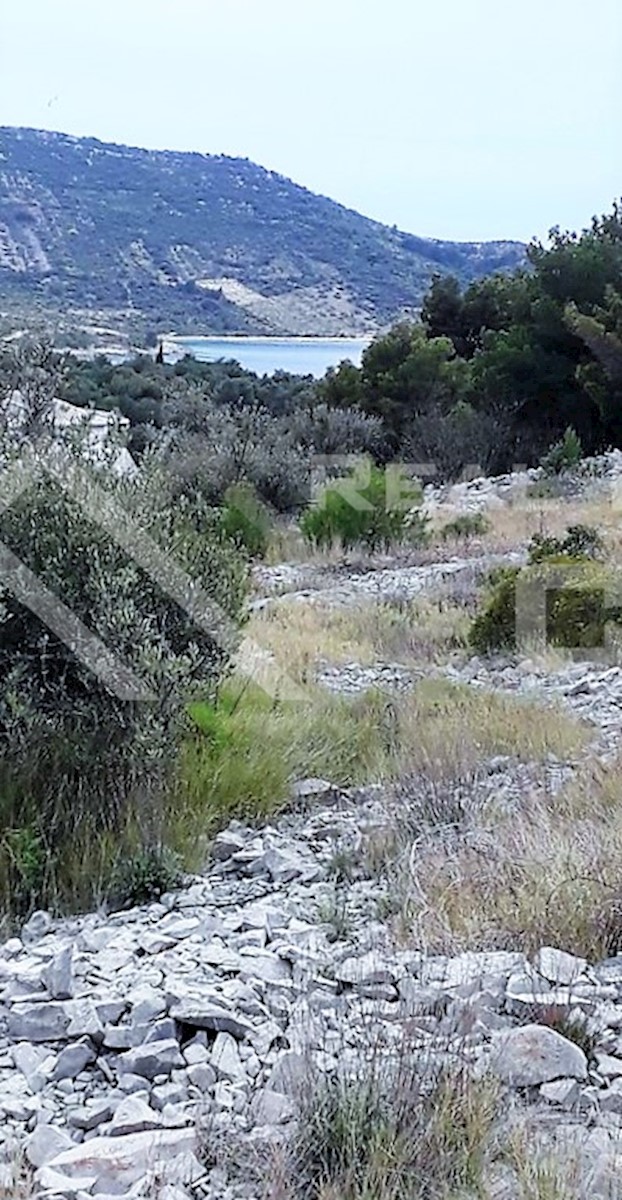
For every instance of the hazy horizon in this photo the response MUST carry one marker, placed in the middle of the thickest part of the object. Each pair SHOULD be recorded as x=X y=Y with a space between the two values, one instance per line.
x=464 y=125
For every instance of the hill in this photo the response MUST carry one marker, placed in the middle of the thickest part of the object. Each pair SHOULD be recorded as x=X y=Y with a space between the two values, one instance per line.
x=193 y=241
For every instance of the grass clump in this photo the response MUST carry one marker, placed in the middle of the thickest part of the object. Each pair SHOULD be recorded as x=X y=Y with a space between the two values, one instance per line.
x=466 y=862
x=248 y=748
x=544 y=871
x=446 y=730
x=543 y=1171
x=373 y=507
x=395 y=1129
x=467 y=525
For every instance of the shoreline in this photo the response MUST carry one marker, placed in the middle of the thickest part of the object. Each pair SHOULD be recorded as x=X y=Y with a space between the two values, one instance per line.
x=235 y=338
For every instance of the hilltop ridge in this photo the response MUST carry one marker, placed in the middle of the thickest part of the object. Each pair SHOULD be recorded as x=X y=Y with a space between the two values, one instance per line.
x=198 y=241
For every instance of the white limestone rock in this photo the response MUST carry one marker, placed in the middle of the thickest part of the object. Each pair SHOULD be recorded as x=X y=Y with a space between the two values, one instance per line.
x=73 y=1059
x=133 y=1115
x=534 y=1054
x=46 y=1143
x=152 y=1059
x=200 y=1012
x=57 y=976
x=36 y=927
x=564 y=1093
x=43 y=1022
x=114 y=1164
x=558 y=967
x=226 y=1059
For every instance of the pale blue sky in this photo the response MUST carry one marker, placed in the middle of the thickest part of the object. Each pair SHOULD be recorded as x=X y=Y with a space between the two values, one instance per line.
x=467 y=119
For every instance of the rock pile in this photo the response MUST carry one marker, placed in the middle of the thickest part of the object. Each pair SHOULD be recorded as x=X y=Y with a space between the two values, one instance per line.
x=600 y=474
x=121 y=1035
x=399 y=584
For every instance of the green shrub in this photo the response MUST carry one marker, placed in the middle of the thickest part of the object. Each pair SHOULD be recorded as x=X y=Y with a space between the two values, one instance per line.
x=361 y=510
x=245 y=521
x=145 y=876
x=577 y=610
x=467 y=525
x=85 y=771
x=581 y=541
x=564 y=454
x=494 y=628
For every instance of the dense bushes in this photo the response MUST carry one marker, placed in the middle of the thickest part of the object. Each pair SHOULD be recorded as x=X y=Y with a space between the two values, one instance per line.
x=209 y=448
x=494 y=374
x=371 y=507
x=103 y=639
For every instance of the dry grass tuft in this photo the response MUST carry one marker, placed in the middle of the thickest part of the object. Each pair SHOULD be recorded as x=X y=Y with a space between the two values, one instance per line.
x=448 y=731
x=545 y=872
x=303 y=634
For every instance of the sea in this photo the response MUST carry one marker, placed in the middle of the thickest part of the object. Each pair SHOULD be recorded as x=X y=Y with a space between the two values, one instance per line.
x=300 y=356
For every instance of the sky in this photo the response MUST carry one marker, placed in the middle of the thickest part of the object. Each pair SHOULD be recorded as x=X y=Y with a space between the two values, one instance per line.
x=461 y=119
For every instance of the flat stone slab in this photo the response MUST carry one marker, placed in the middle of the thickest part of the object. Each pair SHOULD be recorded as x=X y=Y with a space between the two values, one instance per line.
x=115 y=1163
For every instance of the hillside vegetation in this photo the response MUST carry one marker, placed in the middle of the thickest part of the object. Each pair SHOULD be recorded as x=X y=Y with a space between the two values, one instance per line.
x=229 y=468
x=204 y=242
x=332 y=759
x=512 y=369
x=496 y=373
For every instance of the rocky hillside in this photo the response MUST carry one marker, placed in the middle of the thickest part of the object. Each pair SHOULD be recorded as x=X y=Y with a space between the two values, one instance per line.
x=429 y=947
x=204 y=242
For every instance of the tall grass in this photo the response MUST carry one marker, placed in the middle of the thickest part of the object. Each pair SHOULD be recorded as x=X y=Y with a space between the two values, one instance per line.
x=395 y=1128
x=246 y=752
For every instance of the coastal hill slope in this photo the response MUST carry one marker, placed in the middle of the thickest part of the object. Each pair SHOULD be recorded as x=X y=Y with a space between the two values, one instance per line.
x=204 y=242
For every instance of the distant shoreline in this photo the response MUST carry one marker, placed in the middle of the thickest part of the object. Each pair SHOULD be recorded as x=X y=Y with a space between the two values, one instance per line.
x=303 y=339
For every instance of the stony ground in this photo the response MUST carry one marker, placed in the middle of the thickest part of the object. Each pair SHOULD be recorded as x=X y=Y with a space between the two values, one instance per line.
x=163 y=1051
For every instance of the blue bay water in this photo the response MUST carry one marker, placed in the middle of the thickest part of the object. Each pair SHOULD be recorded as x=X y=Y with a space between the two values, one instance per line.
x=300 y=356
